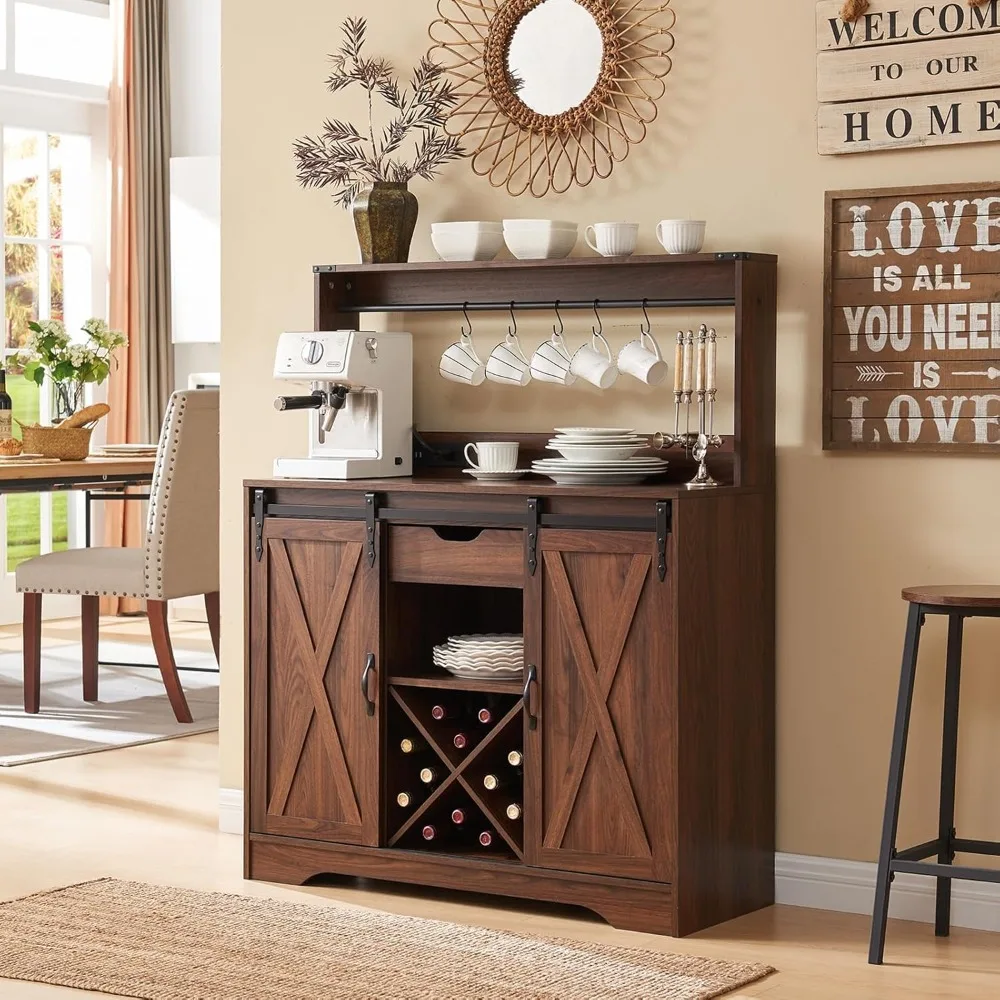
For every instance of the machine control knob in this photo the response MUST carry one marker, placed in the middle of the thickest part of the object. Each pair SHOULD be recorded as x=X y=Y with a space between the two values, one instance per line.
x=312 y=352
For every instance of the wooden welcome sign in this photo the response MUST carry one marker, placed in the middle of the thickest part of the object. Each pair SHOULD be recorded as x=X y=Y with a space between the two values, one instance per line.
x=912 y=330
x=908 y=73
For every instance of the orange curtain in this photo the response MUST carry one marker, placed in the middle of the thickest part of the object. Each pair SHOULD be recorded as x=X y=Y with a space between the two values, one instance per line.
x=123 y=521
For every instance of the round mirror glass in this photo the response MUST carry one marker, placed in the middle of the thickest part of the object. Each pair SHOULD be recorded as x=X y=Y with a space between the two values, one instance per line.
x=555 y=57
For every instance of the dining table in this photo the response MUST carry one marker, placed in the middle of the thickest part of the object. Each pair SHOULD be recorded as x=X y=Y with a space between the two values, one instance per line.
x=98 y=478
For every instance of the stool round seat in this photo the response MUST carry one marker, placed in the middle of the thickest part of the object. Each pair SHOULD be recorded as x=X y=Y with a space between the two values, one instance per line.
x=959 y=596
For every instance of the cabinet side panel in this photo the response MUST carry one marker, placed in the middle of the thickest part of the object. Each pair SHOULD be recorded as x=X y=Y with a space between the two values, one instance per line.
x=726 y=748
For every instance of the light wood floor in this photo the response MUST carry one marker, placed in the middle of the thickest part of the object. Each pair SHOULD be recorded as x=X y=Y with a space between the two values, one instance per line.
x=150 y=814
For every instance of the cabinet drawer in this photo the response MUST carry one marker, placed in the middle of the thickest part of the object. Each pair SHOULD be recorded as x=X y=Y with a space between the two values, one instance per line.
x=485 y=558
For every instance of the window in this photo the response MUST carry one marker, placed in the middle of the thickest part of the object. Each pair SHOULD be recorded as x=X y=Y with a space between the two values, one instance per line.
x=56 y=47
x=55 y=67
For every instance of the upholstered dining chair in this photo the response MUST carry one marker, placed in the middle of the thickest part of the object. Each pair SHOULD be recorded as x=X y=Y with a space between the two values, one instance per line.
x=180 y=557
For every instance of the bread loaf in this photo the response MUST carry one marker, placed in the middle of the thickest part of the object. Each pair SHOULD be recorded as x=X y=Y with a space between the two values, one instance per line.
x=87 y=416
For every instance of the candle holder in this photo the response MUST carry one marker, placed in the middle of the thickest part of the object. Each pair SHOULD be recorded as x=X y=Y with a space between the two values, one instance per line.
x=695 y=381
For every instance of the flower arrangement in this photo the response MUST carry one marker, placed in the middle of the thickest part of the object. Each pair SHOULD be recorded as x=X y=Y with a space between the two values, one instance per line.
x=349 y=160
x=50 y=352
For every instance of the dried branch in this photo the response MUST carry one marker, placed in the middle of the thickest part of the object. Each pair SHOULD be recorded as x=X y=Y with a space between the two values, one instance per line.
x=344 y=158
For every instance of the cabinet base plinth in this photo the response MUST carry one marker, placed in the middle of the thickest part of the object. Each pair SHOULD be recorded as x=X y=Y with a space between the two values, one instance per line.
x=626 y=904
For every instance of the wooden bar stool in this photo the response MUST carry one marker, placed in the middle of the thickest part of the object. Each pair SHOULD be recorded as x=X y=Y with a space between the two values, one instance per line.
x=958 y=603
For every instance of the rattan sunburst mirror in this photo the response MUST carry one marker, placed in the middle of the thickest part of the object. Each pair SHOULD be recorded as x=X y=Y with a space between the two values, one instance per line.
x=552 y=93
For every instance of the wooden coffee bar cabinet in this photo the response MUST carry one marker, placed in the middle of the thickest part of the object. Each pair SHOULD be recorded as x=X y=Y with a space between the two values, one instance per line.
x=643 y=730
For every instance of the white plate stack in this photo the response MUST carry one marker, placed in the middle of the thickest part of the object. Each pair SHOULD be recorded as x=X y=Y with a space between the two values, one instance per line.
x=482 y=657
x=596 y=455
x=127 y=451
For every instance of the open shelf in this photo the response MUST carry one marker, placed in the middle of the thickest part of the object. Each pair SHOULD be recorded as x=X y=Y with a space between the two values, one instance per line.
x=445 y=682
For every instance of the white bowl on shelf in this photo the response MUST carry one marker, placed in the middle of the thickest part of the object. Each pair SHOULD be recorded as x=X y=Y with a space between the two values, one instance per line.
x=540 y=239
x=467 y=241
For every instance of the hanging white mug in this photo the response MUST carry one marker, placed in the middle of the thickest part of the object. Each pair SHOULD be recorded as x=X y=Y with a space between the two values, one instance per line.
x=507 y=364
x=596 y=367
x=552 y=362
x=460 y=363
x=641 y=362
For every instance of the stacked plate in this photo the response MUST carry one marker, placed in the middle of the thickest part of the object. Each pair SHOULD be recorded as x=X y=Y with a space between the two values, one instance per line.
x=595 y=455
x=482 y=657
x=128 y=451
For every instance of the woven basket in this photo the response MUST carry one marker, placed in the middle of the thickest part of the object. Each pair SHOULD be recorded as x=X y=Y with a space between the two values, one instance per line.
x=71 y=444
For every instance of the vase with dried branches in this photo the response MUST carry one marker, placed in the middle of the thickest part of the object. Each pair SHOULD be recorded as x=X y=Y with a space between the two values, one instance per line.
x=366 y=166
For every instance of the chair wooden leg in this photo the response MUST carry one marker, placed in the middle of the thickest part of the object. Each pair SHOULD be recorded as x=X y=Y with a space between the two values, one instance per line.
x=160 y=631
x=32 y=642
x=212 y=609
x=90 y=620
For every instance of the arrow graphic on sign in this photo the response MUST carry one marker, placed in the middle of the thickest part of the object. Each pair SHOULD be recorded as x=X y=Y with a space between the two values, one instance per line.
x=874 y=373
x=992 y=374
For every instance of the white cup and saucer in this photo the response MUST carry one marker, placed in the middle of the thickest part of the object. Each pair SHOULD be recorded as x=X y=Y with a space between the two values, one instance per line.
x=493 y=461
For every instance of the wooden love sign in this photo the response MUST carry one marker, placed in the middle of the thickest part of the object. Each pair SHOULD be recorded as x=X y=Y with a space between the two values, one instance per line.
x=912 y=328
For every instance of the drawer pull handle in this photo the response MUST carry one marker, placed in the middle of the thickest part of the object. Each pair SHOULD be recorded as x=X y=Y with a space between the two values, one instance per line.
x=531 y=678
x=369 y=667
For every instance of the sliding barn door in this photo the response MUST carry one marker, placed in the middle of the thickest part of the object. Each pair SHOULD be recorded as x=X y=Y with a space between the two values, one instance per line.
x=601 y=760
x=314 y=628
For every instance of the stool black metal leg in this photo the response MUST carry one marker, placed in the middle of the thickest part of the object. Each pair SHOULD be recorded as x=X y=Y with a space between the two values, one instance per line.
x=892 y=797
x=949 y=762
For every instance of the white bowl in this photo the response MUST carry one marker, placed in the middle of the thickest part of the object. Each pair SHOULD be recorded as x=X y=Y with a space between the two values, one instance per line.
x=595 y=453
x=539 y=225
x=541 y=244
x=470 y=244
x=466 y=227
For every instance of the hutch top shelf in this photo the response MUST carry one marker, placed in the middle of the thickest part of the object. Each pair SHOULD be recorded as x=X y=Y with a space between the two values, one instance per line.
x=745 y=282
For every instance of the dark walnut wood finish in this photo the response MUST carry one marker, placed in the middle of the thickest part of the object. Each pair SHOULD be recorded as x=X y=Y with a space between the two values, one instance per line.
x=649 y=780
x=648 y=615
x=315 y=603
x=601 y=762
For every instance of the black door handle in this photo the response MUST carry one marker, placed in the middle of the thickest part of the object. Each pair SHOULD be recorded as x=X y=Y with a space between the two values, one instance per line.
x=531 y=679
x=369 y=667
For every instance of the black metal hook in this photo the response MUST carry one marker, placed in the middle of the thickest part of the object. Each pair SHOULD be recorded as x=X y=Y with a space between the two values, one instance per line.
x=512 y=329
x=562 y=326
x=599 y=329
x=465 y=313
x=648 y=328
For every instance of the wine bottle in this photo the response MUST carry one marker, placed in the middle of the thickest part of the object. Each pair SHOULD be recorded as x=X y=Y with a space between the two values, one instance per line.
x=461 y=741
x=514 y=811
x=441 y=712
x=515 y=758
x=458 y=816
x=486 y=838
x=412 y=745
x=428 y=775
x=485 y=716
x=429 y=832
x=492 y=782
x=404 y=800
x=6 y=409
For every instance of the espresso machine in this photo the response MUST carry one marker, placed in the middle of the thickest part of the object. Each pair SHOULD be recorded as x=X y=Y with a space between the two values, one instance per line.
x=360 y=400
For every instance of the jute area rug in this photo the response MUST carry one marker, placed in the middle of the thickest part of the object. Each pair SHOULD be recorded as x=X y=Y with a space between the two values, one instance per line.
x=134 y=940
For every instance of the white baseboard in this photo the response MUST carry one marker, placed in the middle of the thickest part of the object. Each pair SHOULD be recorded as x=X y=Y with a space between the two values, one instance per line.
x=817 y=883
x=849 y=887
x=231 y=811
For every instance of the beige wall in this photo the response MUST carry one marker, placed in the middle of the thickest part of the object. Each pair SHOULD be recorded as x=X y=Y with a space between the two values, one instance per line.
x=735 y=143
